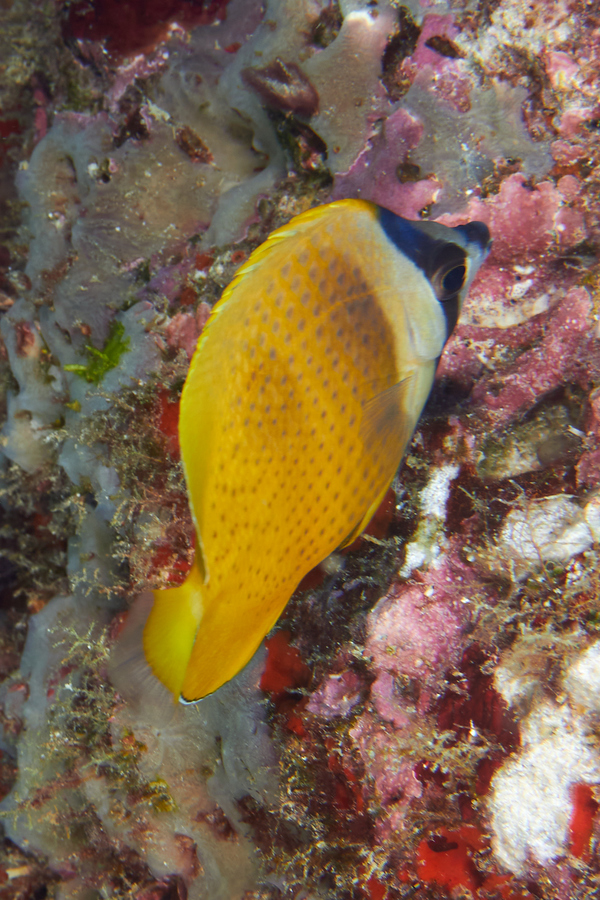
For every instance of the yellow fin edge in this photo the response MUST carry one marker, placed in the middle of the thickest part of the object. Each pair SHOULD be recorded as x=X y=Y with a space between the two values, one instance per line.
x=171 y=628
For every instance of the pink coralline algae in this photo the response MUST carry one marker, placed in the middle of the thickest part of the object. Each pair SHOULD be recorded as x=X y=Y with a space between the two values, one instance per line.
x=338 y=694
x=564 y=354
x=412 y=636
x=525 y=219
x=538 y=300
x=375 y=175
x=183 y=329
x=423 y=720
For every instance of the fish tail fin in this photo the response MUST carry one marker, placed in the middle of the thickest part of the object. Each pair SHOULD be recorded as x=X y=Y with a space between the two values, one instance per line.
x=171 y=628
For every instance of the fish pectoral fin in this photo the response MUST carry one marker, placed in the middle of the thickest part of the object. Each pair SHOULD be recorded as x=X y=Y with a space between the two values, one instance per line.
x=353 y=534
x=199 y=559
x=385 y=421
x=385 y=424
x=171 y=628
x=360 y=527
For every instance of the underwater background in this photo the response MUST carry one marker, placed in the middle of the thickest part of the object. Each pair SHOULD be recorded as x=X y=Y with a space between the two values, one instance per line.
x=424 y=720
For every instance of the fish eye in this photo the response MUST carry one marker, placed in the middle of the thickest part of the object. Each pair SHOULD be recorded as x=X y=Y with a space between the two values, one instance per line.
x=454 y=280
x=448 y=268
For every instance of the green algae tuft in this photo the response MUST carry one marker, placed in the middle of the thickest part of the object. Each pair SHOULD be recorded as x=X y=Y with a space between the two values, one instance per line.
x=102 y=361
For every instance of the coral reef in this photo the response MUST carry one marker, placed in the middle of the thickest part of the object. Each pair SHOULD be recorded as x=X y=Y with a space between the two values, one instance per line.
x=423 y=720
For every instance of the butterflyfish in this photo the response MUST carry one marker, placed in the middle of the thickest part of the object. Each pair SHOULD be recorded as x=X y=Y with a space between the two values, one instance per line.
x=303 y=393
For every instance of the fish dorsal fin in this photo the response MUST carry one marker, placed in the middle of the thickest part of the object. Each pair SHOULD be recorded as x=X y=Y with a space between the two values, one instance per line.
x=296 y=227
x=386 y=424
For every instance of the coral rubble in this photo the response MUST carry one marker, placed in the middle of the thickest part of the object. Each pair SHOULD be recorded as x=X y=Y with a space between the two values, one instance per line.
x=423 y=720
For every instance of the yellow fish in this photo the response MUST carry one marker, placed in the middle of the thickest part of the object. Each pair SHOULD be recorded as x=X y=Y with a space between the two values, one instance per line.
x=304 y=390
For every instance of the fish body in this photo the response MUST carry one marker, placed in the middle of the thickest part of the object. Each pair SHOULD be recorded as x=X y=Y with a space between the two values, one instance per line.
x=304 y=390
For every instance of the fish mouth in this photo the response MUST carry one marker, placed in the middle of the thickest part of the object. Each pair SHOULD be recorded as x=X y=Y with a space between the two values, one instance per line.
x=477 y=234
